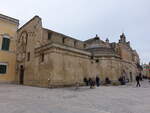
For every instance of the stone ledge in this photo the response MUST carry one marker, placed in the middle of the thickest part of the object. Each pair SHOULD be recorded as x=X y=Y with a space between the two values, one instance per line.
x=4 y=17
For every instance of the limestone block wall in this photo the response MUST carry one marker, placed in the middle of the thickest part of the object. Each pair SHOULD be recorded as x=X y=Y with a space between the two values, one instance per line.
x=61 y=39
x=64 y=68
x=113 y=68
x=109 y=67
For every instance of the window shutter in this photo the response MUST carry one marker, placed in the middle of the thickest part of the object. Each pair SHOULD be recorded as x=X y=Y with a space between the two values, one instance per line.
x=3 y=69
x=5 y=44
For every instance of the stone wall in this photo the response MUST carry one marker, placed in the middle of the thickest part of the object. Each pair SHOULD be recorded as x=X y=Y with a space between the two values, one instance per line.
x=62 y=39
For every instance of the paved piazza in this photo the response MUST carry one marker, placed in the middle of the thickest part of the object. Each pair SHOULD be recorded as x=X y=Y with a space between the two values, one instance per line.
x=112 y=99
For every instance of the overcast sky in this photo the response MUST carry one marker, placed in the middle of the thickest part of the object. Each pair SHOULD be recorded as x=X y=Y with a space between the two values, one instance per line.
x=83 y=19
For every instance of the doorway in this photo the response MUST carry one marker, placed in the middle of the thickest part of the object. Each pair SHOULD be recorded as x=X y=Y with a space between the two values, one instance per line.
x=21 y=75
x=131 y=78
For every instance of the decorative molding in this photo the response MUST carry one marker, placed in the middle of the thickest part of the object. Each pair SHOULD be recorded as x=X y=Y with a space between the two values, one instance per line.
x=13 y=20
x=52 y=45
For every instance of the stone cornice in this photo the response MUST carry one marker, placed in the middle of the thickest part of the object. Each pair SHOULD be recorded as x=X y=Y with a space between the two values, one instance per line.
x=107 y=55
x=55 y=45
x=68 y=48
x=13 y=20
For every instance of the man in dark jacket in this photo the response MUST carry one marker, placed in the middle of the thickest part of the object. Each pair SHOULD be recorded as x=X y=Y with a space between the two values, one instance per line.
x=97 y=81
x=90 y=82
x=138 y=81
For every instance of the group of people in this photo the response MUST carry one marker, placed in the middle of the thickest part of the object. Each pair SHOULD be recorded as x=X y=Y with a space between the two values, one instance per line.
x=92 y=82
x=122 y=80
x=95 y=81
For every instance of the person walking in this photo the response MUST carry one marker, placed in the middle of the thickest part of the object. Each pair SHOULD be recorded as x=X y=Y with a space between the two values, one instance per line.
x=93 y=82
x=138 y=81
x=90 y=82
x=97 y=81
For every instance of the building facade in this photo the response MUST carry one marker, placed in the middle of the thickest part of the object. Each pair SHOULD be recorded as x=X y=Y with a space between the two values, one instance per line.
x=146 y=70
x=8 y=37
x=46 y=58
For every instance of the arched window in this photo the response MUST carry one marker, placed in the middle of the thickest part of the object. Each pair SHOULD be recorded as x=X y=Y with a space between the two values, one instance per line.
x=5 y=43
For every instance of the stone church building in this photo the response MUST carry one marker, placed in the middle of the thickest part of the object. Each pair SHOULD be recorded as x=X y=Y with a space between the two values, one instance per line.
x=46 y=58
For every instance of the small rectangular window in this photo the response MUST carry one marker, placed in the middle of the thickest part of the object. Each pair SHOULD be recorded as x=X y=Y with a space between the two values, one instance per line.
x=28 y=56
x=92 y=57
x=97 y=60
x=63 y=40
x=5 y=44
x=42 y=59
x=75 y=43
x=3 y=68
x=84 y=45
x=49 y=36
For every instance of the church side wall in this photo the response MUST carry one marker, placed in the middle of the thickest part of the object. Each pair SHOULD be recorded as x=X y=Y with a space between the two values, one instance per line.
x=64 y=68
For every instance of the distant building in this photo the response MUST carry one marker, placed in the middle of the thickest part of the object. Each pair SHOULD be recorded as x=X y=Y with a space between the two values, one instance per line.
x=146 y=70
x=46 y=58
x=8 y=37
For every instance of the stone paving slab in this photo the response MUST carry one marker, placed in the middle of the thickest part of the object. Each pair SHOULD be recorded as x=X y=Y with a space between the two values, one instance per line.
x=112 y=99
